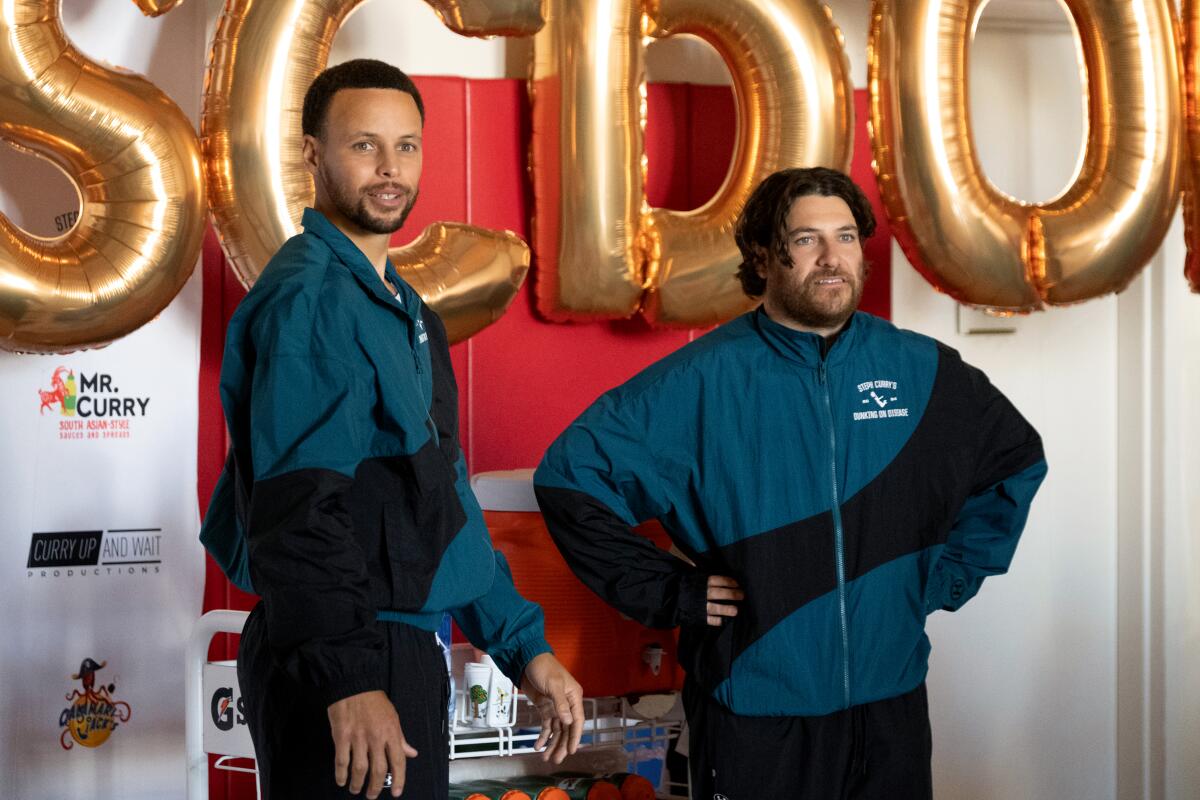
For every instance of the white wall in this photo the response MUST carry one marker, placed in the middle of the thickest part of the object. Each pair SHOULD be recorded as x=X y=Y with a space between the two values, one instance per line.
x=1177 y=554
x=1025 y=673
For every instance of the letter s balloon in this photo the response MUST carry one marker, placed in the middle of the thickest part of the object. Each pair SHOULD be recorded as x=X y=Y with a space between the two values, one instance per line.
x=135 y=161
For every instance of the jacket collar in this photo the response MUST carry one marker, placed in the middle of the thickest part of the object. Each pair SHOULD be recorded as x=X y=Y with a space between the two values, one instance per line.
x=805 y=348
x=360 y=267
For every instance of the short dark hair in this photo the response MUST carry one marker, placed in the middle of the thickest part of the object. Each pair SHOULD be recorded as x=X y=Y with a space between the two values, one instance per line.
x=361 y=73
x=761 y=227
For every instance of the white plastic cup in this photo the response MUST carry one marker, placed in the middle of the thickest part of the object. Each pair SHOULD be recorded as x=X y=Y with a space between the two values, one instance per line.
x=488 y=695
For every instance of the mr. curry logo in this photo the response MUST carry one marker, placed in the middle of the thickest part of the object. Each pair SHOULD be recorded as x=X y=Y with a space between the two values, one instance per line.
x=92 y=404
x=93 y=713
x=94 y=395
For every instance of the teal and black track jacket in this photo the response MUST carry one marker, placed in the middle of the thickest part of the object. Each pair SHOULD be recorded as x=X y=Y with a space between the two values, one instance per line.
x=850 y=493
x=345 y=474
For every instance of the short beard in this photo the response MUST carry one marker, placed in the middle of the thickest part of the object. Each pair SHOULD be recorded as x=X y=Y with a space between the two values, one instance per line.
x=802 y=306
x=357 y=213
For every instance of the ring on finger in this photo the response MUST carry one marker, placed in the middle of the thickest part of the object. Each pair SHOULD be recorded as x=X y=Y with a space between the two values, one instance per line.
x=387 y=781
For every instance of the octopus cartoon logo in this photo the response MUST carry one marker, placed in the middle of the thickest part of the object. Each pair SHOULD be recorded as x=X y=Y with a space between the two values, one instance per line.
x=93 y=714
x=62 y=391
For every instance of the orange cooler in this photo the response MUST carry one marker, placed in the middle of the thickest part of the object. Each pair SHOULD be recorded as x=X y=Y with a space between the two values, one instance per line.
x=606 y=652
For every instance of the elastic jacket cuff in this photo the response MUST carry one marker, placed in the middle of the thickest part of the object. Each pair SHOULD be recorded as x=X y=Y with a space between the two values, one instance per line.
x=352 y=685
x=946 y=591
x=693 y=599
x=512 y=660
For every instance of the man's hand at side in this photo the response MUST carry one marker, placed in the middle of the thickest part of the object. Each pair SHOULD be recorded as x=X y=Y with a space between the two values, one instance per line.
x=559 y=700
x=368 y=743
x=722 y=593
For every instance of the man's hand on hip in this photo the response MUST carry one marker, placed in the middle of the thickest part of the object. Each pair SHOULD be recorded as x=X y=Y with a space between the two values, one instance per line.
x=559 y=700
x=722 y=590
x=368 y=744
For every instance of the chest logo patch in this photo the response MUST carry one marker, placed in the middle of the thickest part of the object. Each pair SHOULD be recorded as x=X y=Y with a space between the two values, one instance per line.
x=878 y=400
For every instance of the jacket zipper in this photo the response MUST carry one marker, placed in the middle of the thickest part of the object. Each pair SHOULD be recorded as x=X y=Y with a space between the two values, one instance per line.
x=839 y=549
x=414 y=329
x=414 y=342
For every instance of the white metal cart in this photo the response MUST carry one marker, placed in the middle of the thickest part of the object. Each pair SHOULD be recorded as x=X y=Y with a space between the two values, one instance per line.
x=212 y=718
x=214 y=725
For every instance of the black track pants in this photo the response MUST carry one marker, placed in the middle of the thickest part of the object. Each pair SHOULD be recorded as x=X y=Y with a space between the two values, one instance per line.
x=876 y=751
x=292 y=742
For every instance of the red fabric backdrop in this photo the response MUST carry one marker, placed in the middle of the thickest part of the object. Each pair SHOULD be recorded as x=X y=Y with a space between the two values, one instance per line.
x=522 y=380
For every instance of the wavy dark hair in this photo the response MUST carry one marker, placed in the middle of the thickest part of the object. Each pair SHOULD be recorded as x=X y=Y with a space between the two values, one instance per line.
x=361 y=73
x=761 y=228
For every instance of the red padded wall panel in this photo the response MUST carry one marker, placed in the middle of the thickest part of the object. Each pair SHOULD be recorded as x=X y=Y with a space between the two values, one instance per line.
x=668 y=146
x=529 y=379
x=712 y=121
x=444 y=144
x=498 y=196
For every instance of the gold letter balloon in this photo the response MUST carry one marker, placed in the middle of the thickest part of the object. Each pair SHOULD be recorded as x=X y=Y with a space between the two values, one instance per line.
x=795 y=101
x=1190 y=30
x=135 y=160
x=602 y=252
x=156 y=8
x=586 y=159
x=981 y=246
x=264 y=56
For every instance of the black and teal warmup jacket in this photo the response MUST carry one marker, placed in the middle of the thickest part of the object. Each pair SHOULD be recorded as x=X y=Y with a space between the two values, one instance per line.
x=850 y=493
x=345 y=497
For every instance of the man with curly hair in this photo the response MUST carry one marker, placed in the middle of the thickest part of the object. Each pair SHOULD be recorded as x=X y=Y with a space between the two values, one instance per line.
x=829 y=480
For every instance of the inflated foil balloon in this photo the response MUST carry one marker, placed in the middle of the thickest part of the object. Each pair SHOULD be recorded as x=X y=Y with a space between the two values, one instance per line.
x=981 y=246
x=260 y=67
x=795 y=106
x=471 y=274
x=603 y=253
x=156 y=8
x=490 y=17
x=585 y=156
x=1190 y=34
x=135 y=161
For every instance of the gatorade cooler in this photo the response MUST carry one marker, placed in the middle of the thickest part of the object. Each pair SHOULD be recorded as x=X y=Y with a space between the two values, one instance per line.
x=607 y=653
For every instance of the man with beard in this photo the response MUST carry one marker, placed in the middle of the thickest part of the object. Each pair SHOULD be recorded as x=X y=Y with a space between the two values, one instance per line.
x=345 y=501
x=829 y=481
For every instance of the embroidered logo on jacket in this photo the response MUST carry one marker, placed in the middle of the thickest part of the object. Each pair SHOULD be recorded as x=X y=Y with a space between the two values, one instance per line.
x=879 y=397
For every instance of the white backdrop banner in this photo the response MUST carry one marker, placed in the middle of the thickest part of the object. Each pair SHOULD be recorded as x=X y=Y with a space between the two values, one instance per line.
x=101 y=571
